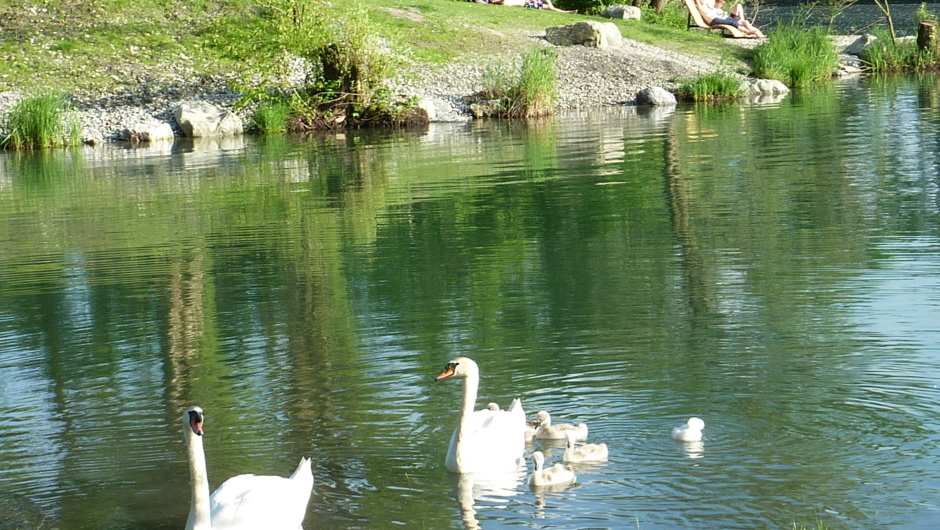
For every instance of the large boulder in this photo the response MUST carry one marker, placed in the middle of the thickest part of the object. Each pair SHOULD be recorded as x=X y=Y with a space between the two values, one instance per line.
x=200 y=119
x=623 y=12
x=590 y=33
x=656 y=96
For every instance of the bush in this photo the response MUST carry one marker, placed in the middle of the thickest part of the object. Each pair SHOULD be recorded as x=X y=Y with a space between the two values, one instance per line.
x=524 y=93
x=674 y=15
x=886 y=55
x=40 y=121
x=271 y=117
x=796 y=55
x=716 y=86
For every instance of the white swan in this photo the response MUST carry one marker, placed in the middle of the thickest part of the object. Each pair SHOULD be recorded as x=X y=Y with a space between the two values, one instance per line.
x=246 y=501
x=547 y=431
x=690 y=432
x=485 y=441
x=585 y=453
x=553 y=476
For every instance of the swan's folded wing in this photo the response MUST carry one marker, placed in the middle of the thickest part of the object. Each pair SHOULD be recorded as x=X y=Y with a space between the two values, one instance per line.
x=252 y=501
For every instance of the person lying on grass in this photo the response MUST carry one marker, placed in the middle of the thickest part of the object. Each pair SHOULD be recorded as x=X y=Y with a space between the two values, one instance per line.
x=717 y=16
x=534 y=4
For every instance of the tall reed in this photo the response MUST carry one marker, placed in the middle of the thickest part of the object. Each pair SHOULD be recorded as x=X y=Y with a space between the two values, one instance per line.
x=537 y=83
x=796 y=55
x=40 y=121
x=886 y=55
x=526 y=92
x=713 y=86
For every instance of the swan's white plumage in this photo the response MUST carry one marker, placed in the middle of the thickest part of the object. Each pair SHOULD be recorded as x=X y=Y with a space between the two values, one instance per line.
x=552 y=476
x=547 y=431
x=585 y=453
x=690 y=432
x=485 y=441
x=245 y=501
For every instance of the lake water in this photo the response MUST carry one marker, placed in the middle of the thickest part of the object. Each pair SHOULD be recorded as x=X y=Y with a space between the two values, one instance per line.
x=773 y=269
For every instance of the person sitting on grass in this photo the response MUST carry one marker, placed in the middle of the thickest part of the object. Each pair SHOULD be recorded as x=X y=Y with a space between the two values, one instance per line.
x=533 y=4
x=717 y=16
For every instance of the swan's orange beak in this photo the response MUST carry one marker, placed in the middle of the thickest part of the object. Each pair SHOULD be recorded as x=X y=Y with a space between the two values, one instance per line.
x=195 y=422
x=448 y=371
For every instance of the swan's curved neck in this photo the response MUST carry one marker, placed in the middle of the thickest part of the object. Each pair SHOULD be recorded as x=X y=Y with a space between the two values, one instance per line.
x=470 y=384
x=199 y=514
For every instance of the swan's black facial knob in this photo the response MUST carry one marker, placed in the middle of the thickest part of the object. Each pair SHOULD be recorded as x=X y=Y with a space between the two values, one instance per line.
x=195 y=421
x=449 y=370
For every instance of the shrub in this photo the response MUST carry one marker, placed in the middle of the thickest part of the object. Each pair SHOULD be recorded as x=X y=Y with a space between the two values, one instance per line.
x=537 y=82
x=39 y=121
x=271 y=117
x=674 y=15
x=886 y=55
x=710 y=87
x=524 y=93
x=796 y=55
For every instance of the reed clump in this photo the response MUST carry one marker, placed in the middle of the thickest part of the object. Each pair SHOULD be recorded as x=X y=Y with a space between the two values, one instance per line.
x=524 y=92
x=715 y=87
x=40 y=121
x=886 y=55
x=796 y=55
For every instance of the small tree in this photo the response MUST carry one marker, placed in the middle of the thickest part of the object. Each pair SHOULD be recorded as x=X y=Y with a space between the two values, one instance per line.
x=885 y=8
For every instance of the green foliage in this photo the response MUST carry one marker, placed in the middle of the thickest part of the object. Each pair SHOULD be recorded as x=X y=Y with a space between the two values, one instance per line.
x=354 y=57
x=886 y=55
x=271 y=117
x=674 y=15
x=796 y=55
x=584 y=7
x=537 y=82
x=711 y=87
x=40 y=121
x=925 y=15
x=526 y=92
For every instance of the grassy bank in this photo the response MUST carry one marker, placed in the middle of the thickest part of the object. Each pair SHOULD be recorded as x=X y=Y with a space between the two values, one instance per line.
x=116 y=45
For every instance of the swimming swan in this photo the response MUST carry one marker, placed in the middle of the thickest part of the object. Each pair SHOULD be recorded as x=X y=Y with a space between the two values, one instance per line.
x=553 y=476
x=690 y=432
x=547 y=431
x=585 y=453
x=486 y=440
x=245 y=501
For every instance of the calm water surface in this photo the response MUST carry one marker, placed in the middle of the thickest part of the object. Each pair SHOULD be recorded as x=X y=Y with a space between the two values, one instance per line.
x=774 y=270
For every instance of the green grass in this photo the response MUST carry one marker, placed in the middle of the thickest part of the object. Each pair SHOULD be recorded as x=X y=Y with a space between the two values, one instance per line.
x=889 y=56
x=40 y=121
x=117 y=44
x=796 y=55
x=271 y=117
x=716 y=86
x=524 y=88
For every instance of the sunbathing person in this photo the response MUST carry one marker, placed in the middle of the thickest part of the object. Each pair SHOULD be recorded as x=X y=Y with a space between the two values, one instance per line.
x=534 y=4
x=716 y=16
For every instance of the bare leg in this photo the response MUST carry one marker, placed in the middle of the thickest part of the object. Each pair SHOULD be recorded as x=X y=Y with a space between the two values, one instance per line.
x=751 y=30
x=547 y=4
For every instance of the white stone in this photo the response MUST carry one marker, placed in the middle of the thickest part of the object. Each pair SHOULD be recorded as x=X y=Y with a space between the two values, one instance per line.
x=148 y=132
x=768 y=87
x=200 y=119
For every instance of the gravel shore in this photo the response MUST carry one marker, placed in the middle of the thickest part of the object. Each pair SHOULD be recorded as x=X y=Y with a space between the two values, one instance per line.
x=585 y=77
